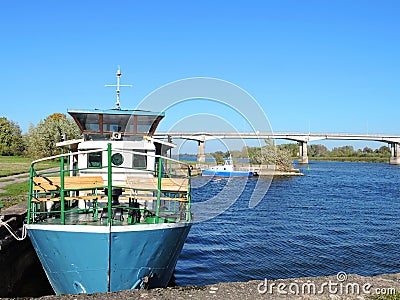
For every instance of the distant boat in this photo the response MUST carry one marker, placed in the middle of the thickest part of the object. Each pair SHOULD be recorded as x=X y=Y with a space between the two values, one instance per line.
x=117 y=213
x=226 y=170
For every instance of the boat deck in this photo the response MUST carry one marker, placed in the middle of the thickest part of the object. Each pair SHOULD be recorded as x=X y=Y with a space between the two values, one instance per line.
x=88 y=218
x=85 y=200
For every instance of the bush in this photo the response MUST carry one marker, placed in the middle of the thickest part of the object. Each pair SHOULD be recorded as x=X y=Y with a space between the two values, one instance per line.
x=41 y=140
x=11 y=142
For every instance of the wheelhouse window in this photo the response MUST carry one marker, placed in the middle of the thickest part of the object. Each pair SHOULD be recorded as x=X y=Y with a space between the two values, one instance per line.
x=99 y=124
x=115 y=123
x=89 y=122
x=144 y=123
x=95 y=160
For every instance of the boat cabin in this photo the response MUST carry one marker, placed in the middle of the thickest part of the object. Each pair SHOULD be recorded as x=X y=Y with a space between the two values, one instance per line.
x=130 y=133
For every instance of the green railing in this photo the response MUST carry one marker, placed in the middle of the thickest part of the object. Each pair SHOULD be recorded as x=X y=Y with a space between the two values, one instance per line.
x=170 y=206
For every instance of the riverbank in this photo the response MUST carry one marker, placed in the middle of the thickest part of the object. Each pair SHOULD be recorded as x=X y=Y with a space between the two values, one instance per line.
x=20 y=269
x=340 y=286
x=348 y=159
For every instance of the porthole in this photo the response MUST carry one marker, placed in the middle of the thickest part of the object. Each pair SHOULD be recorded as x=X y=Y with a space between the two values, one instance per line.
x=117 y=159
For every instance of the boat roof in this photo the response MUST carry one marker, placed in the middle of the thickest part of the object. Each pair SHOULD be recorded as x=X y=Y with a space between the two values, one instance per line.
x=115 y=111
x=102 y=123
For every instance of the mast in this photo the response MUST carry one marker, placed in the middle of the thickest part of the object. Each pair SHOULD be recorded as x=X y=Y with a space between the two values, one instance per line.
x=118 y=90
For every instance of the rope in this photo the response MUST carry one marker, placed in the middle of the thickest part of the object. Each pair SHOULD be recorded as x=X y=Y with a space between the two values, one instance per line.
x=11 y=231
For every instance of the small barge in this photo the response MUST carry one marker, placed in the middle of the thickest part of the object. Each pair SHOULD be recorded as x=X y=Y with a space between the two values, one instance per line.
x=116 y=213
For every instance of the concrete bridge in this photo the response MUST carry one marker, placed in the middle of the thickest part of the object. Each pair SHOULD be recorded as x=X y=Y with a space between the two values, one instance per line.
x=301 y=138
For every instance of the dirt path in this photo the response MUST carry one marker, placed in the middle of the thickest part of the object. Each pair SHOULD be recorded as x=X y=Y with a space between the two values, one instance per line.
x=4 y=181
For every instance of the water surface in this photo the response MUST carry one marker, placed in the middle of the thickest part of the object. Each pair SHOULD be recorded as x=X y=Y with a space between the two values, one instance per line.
x=339 y=217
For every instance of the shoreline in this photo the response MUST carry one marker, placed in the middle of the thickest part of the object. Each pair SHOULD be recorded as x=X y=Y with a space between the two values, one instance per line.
x=348 y=159
x=340 y=286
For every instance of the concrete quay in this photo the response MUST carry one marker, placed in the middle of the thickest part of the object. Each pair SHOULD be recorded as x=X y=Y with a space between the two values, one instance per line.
x=341 y=286
x=20 y=268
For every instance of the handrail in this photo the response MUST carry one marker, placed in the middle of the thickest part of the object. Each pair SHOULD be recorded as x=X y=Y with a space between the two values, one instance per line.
x=105 y=149
x=28 y=215
x=159 y=177
x=109 y=184
x=63 y=191
x=66 y=154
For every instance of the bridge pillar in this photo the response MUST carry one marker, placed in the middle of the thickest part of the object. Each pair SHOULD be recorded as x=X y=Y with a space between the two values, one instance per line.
x=394 y=154
x=201 y=156
x=303 y=156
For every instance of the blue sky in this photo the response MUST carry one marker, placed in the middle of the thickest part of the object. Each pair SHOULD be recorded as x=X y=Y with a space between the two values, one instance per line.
x=319 y=66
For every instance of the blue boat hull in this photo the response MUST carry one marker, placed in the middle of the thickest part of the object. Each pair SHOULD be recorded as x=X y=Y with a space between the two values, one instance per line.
x=89 y=259
x=226 y=173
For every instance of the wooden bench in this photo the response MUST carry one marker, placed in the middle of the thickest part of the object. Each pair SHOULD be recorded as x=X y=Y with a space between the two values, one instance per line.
x=167 y=184
x=50 y=184
x=144 y=187
x=44 y=186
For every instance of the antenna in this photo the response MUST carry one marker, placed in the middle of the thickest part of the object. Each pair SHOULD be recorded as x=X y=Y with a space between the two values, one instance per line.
x=118 y=85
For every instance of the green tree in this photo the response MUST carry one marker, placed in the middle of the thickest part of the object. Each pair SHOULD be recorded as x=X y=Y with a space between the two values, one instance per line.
x=367 y=150
x=317 y=150
x=384 y=150
x=254 y=154
x=41 y=140
x=271 y=155
x=345 y=151
x=292 y=148
x=219 y=157
x=11 y=142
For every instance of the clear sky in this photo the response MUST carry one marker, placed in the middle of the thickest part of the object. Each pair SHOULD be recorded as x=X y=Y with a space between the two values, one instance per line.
x=319 y=66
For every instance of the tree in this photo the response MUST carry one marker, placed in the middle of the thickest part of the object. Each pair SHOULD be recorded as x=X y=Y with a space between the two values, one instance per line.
x=345 y=151
x=41 y=140
x=254 y=154
x=367 y=150
x=385 y=150
x=271 y=155
x=292 y=148
x=11 y=142
x=218 y=156
x=317 y=150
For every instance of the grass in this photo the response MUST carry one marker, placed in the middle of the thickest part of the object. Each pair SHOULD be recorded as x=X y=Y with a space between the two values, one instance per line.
x=6 y=179
x=385 y=297
x=14 y=193
x=12 y=165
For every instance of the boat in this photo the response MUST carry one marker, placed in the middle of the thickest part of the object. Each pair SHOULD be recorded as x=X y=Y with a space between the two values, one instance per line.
x=115 y=214
x=227 y=170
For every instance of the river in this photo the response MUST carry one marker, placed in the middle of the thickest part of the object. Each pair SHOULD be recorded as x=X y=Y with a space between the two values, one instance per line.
x=339 y=217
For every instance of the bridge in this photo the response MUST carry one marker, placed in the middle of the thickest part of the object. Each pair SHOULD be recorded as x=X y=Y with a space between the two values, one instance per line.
x=301 y=138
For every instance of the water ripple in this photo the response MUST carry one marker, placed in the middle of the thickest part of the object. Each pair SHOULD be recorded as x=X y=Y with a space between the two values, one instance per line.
x=339 y=217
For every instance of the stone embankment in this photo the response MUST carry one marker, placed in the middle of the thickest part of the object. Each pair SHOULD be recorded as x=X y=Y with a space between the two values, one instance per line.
x=20 y=268
x=341 y=286
x=268 y=171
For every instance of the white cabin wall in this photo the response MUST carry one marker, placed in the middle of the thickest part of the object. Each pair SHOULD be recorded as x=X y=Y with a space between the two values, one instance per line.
x=151 y=161
x=123 y=147
x=82 y=161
